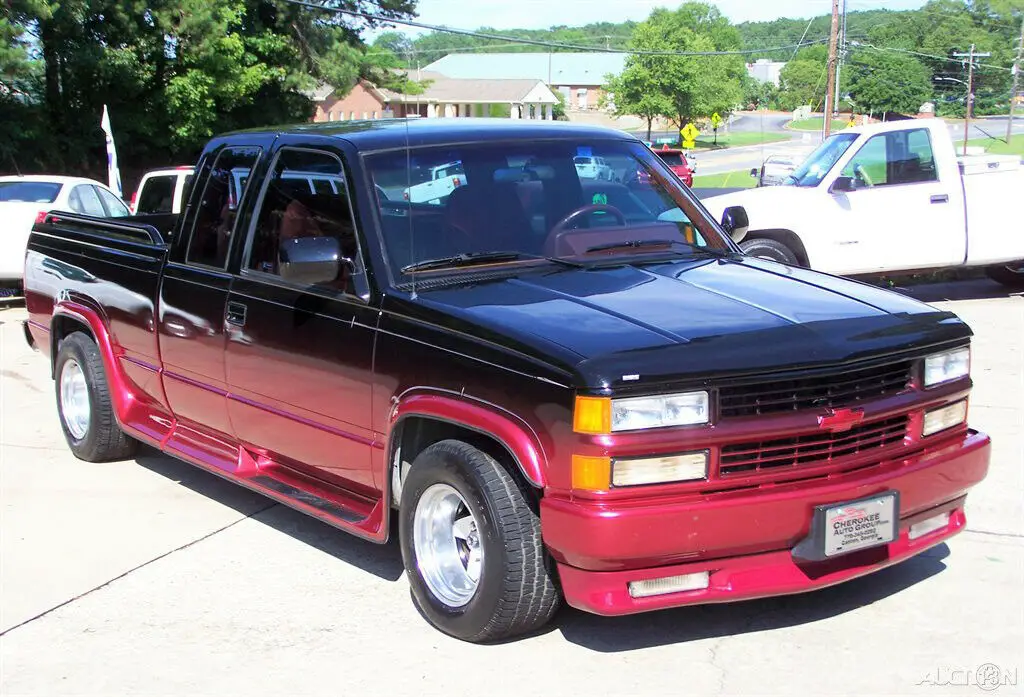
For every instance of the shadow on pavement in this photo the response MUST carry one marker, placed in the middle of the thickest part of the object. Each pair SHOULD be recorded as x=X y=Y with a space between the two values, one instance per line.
x=975 y=289
x=614 y=634
x=383 y=561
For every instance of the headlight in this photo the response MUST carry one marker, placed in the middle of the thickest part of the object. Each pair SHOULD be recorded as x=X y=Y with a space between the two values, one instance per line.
x=639 y=413
x=947 y=366
x=944 y=417
x=660 y=470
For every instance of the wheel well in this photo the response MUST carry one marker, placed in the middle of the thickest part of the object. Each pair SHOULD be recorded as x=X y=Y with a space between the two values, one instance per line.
x=60 y=328
x=786 y=237
x=417 y=433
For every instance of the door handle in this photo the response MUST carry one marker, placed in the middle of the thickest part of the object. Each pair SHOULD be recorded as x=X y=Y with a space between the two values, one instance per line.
x=236 y=314
x=940 y=198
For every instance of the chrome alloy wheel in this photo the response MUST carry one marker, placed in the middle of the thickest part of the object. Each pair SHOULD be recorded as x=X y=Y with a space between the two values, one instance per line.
x=74 y=399
x=448 y=546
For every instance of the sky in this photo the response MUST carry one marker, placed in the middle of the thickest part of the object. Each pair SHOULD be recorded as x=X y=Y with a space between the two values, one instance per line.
x=541 y=14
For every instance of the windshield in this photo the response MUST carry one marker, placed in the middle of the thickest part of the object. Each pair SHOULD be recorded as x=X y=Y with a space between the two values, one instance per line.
x=824 y=157
x=529 y=201
x=29 y=192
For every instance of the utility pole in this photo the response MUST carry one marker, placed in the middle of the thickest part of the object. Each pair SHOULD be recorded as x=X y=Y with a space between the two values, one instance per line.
x=842 y=56
x=1016 y=78
x=831 y=88
x=970 y=56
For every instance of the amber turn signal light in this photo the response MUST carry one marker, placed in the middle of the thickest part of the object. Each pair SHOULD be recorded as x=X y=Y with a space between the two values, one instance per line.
x=591 y=473
x=592 y=415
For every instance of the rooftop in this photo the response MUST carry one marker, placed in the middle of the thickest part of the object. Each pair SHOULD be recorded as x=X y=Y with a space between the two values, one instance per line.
x=551 y=68
x=384 y=134
x=444 y=89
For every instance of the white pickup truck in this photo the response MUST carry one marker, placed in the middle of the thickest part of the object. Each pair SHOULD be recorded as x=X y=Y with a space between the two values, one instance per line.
x=443 y=180
x=889 y=198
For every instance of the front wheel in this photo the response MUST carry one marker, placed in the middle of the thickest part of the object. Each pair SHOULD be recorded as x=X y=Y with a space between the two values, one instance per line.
x=772 y=250
x=472 y=547
x=1010 y=275
x=84 y=405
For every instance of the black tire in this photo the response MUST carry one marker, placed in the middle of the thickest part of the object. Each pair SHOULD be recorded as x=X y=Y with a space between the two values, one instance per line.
x=1010 y=275
x=769 y=249
x=516 y=592
x=103 y=439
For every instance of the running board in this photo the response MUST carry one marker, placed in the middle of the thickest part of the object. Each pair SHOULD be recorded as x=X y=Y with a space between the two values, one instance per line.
x=289 y=492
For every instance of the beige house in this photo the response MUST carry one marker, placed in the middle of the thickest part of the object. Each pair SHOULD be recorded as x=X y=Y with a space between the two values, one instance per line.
x=442 y=97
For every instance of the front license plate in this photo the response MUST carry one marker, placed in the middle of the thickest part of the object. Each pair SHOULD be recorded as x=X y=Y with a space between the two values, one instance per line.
x=860 y=524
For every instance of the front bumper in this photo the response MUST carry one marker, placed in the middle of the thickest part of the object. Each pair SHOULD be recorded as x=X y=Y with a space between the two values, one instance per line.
x=743 y=539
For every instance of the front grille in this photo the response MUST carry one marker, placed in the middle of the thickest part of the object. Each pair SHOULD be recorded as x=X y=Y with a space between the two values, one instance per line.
x=821 y=447
x=834 y=390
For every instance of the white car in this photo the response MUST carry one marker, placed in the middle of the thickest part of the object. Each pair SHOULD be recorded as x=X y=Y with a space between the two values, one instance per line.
x=23 y=199
x=592 y=168
x=888 y=198
x=162 y=191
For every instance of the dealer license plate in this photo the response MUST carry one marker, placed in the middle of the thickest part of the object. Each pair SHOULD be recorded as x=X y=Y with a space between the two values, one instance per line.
x=860 y=524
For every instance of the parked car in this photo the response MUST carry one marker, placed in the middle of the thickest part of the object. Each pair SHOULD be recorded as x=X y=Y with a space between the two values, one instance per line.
x=774 y=170
x=566 y=389
x=889 y=198
x=24 y=199
x=590 y=167
x=442 y=181
x=678 y=162
x=162 y=191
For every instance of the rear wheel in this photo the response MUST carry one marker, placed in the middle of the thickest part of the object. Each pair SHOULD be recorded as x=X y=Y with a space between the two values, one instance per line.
x=772 y=250
x=84 y=405
x=1010 y=275
x=472 y=547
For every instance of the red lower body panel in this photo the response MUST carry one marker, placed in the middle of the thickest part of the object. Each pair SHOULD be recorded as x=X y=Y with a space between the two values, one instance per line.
x=744 y=539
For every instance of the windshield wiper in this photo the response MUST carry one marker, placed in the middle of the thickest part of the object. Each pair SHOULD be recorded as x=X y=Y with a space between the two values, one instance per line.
x=640 y=244
x=473 y=258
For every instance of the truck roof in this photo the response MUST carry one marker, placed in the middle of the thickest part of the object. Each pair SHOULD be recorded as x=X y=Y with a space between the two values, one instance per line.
x=385 y=134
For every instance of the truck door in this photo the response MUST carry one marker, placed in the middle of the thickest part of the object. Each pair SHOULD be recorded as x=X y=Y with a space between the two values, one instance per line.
x=194 y=292
x=905 y=212
x=299 y=356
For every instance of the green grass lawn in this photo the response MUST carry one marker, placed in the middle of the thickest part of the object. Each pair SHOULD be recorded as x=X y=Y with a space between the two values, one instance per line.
x=815 y=123
x=740 y=179
x=739 y=138
x=997 y=146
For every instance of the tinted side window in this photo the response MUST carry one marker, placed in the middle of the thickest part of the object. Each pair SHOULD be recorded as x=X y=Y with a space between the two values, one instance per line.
x=218 y=207
x=305 y=196
x=115 y=206
x=157 y=195
x=84 y=200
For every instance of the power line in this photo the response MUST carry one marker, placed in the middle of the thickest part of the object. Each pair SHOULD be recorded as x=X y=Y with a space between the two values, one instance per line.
x=533 y=42
x=861 y=44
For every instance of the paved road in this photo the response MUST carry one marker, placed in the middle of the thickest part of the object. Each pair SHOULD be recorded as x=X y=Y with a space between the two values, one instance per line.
x=152 y=577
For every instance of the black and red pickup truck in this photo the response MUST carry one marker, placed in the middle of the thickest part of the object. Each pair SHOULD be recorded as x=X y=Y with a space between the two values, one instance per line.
x=565 y=388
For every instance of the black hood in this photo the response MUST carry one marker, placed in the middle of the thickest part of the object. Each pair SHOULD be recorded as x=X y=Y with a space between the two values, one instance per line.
x=689 y=319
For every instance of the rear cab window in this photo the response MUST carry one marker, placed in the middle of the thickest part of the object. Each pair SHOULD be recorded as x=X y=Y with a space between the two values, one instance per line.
x=157 y=194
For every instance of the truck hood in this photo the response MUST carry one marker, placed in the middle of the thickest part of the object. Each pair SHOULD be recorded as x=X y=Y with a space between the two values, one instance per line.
x=688 y=319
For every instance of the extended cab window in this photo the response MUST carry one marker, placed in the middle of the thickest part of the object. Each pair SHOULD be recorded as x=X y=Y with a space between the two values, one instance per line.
x=305 y=196
x=901 y=157
x=218 y=208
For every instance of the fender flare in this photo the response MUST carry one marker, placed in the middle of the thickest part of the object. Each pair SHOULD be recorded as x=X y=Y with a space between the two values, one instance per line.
x=109 y=352
x=490 y=420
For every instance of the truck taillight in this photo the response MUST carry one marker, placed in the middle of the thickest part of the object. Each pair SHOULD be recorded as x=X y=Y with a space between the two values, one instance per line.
x=135 y=198
x=41 y=217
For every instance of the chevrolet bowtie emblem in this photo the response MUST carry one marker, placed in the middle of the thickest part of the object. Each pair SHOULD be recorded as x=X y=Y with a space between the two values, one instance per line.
x=841 y=419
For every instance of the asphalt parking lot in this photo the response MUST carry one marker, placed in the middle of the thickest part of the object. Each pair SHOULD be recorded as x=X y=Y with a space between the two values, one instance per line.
x=153 y=577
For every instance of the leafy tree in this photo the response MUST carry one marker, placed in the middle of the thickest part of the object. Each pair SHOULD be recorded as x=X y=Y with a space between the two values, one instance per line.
x=637 y=92
x=801 y=82
x=759 y=95
x=890 y=82
x=683 y=88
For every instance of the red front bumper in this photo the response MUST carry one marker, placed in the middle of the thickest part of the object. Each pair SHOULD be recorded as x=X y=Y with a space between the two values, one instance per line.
x=743 y=538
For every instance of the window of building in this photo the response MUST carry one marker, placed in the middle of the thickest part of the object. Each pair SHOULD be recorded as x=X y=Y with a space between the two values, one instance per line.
x=306 y=196
x=218 y=207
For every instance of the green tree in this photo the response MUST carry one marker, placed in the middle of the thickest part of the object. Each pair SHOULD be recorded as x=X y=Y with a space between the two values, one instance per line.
x=759 y=95
x=883 y=82
x=637 y=92
x=801 y=82
x=686 y=87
